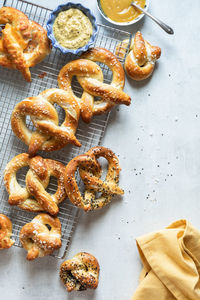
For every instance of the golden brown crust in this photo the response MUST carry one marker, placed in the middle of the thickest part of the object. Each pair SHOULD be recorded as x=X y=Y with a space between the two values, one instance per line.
x=90 y=173
x=49 y=135
x=38 y=239
x=23 y=43
x=34 y=197
x=5 y=232
x=140 y=61
x=90 y=77
x=80 y=273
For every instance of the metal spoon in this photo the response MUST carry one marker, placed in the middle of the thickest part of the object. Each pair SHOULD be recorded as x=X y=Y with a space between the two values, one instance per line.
x=164 y=26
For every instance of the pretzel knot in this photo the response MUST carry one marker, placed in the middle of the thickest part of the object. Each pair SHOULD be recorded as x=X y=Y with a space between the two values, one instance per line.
x=90 y=77
x=90 y=172
x=80 y=272
x=38 y=239
x=23 y=43
x=140 y=61
x=33 y=196
x=5 y=232
x=49 y=136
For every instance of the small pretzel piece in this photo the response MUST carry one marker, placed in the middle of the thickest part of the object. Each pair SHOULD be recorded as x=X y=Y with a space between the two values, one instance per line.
x=90 y=77
x=34 y=197
x=5 y=232
x=49 y=135
x=140 y=62
x=23 y=43
x=80 y=273
x=90 y=172
x=38 y=239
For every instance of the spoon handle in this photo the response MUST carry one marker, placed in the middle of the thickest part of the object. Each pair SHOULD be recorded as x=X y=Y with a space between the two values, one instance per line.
x=164 y=26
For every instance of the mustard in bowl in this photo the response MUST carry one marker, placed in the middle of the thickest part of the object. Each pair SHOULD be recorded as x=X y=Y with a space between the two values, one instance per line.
x=121 y=12
x=72 y=28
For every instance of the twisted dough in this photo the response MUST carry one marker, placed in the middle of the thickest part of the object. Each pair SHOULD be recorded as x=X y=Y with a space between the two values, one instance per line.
x=34 y=197
x=23 y=43
x=38 y=239
x=49 y=136
x=5 y=232
x=80 y=272
x=90 y=77
x=140 y=61
x=90 y=172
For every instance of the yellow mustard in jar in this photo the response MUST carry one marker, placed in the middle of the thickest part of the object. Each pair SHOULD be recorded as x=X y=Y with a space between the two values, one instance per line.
x=121 y=10
x=72 y=28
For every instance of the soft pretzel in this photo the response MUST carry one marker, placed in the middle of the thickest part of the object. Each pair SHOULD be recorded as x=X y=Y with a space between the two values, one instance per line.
x=140 y=61
x=5 y=232
x=90 y=173
x=49 y=135
x=38 y=239
x=34 y=197
x=80 y=272
x=90 y=77
x=23 y=43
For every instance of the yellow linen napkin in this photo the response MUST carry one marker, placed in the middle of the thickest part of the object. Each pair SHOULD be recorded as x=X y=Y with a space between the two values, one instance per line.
x=171 y=264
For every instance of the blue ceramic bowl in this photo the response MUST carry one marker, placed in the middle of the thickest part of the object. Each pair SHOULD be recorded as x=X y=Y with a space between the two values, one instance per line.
x=52 y=18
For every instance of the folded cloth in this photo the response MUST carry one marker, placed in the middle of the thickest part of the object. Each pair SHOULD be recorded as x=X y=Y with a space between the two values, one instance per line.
x=171 y=264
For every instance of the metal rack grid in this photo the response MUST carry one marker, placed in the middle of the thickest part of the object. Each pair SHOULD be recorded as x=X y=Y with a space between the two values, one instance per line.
x=14 y=89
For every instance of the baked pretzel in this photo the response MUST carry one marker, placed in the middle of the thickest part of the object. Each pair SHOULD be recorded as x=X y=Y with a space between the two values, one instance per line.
x=80 y=272
x=49 y=136
x=5 y=232
x=140 y=61
x=90 y=77
x=38 y=239
x=90 y=172
x=34 y=197
x=23 y=43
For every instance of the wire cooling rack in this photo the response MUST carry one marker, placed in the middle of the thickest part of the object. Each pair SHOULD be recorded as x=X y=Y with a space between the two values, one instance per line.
x=13 y=88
